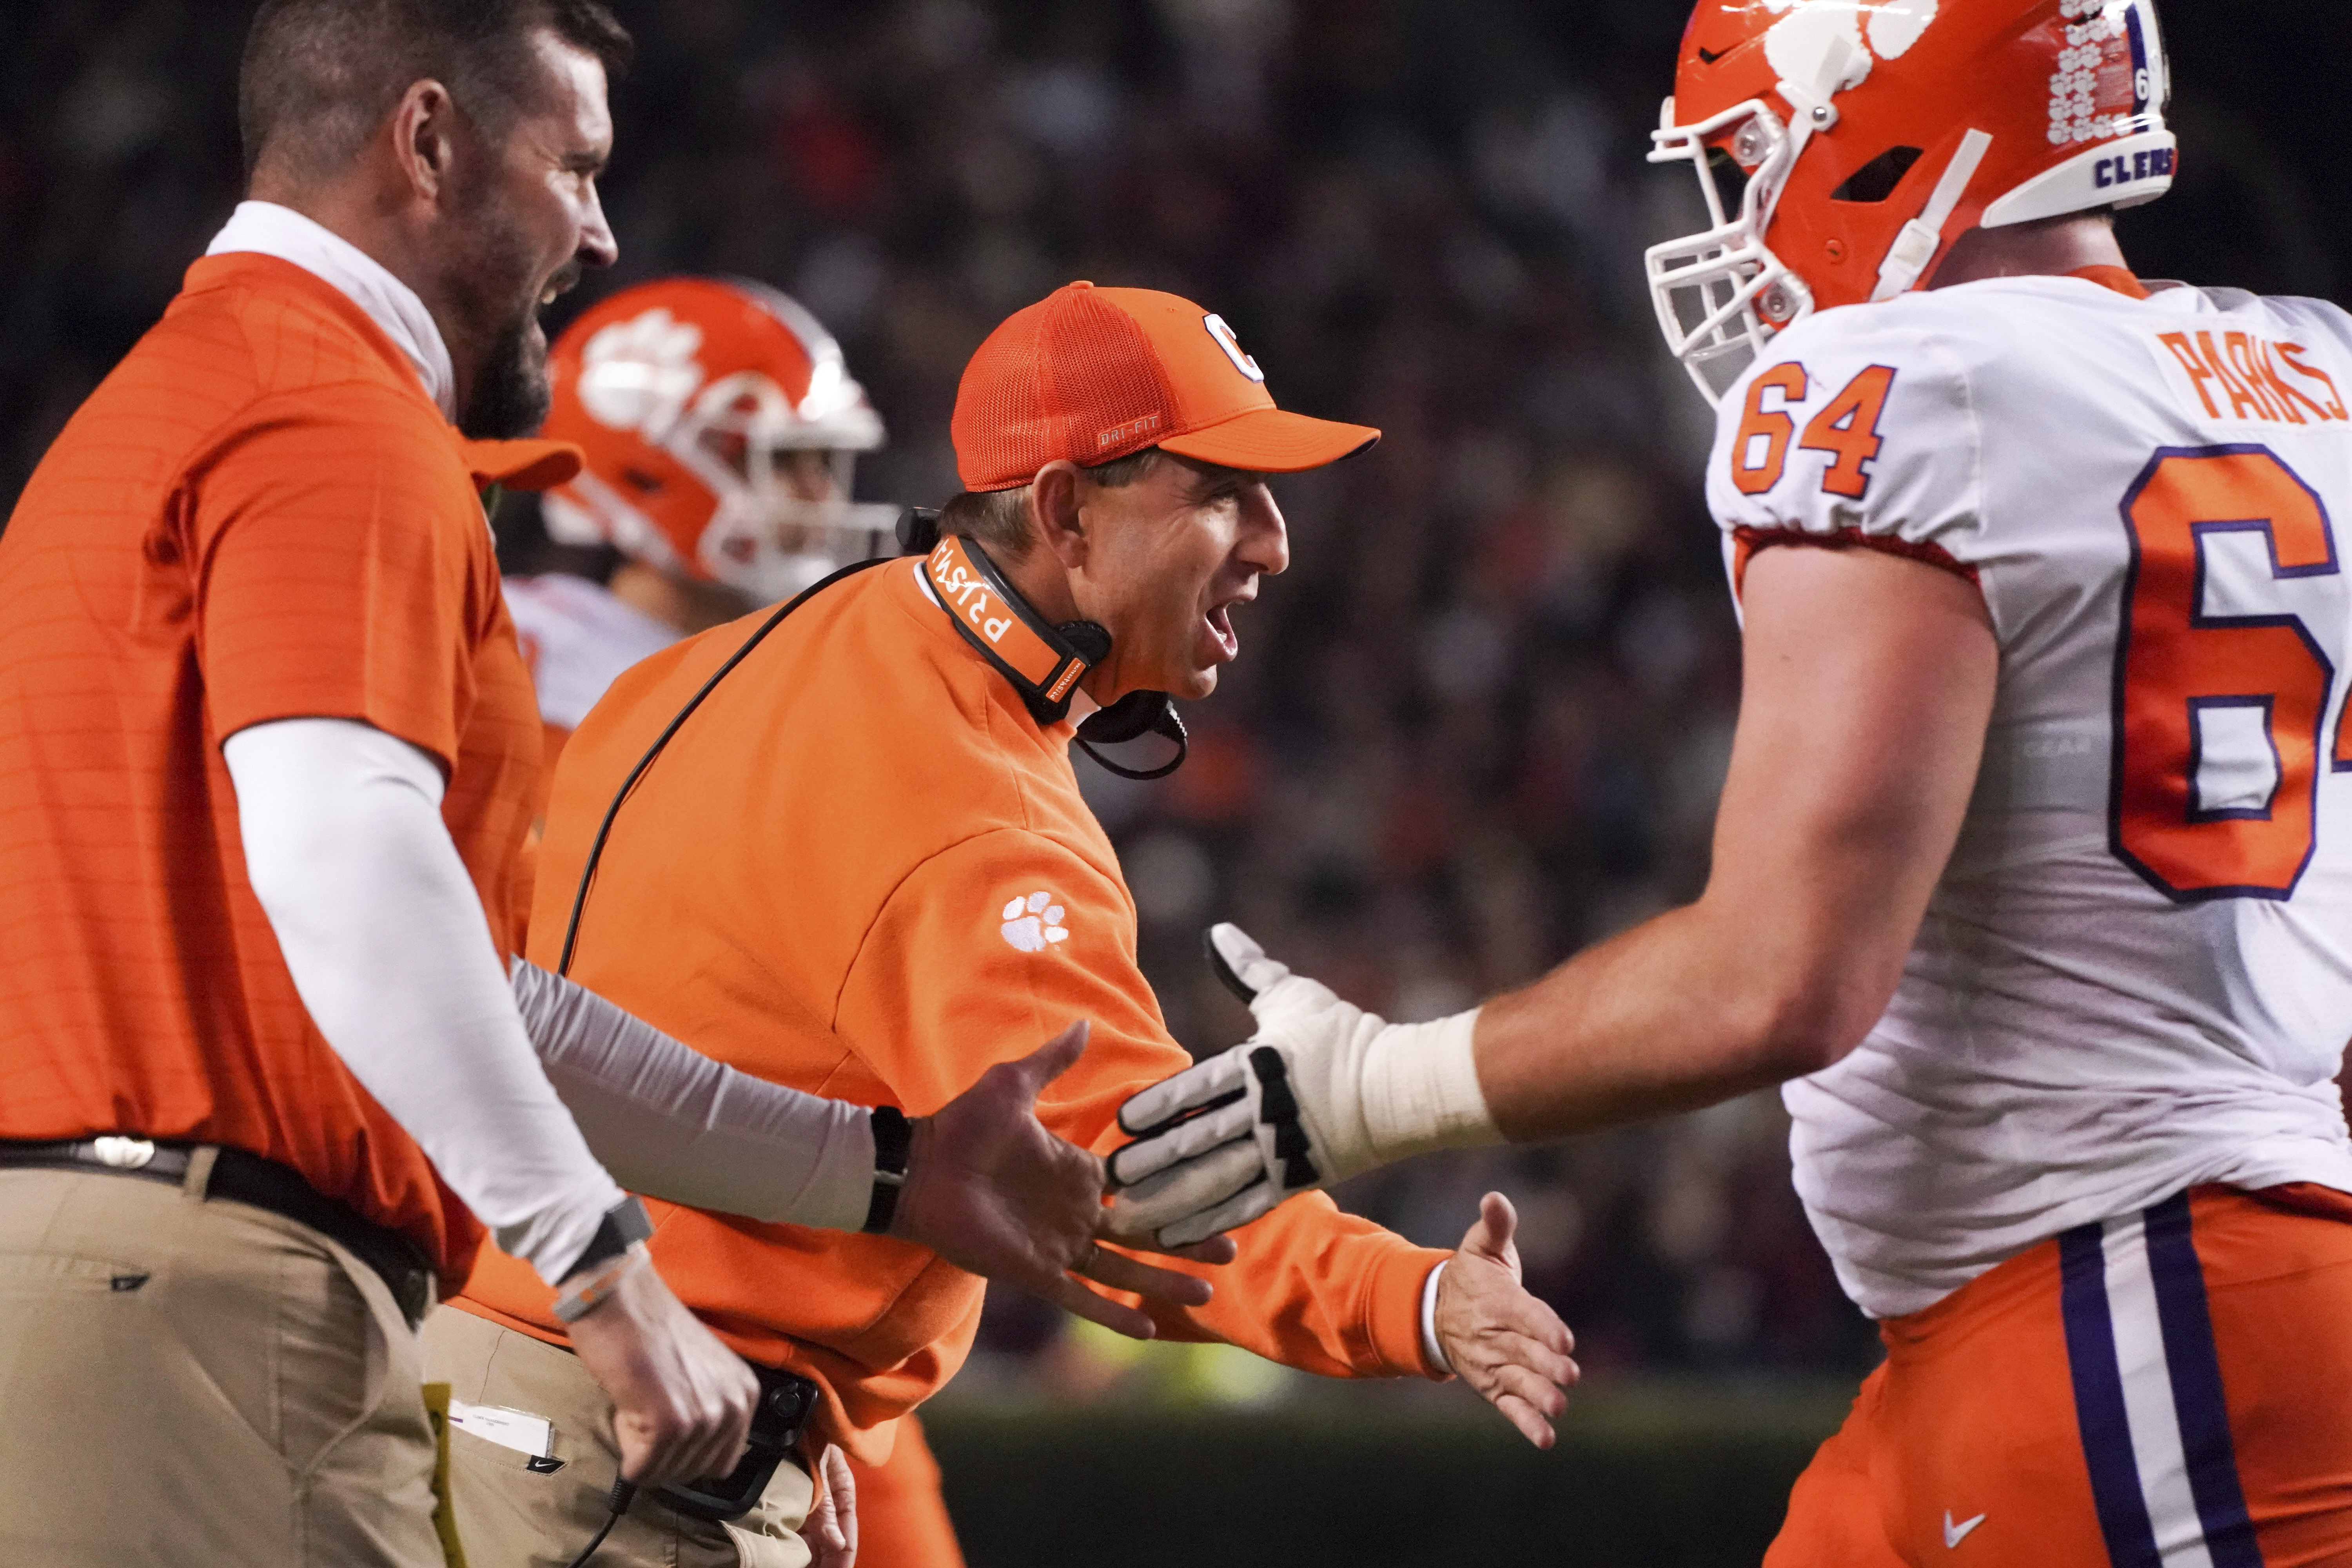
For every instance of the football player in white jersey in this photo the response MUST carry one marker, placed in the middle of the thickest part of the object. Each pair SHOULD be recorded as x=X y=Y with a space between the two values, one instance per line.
x=719 y=425
x=2032 y=877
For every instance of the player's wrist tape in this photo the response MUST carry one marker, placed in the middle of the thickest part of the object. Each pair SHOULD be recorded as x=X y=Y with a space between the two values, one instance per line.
x=894 y=1141
x=585 y=1291
x=1419 y=1089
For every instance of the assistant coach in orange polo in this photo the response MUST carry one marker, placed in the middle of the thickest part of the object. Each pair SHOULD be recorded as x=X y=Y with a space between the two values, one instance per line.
x=856 y=823
x=267 y=757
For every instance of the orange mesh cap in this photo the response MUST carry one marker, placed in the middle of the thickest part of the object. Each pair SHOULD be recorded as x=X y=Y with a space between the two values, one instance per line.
x=1093 y=374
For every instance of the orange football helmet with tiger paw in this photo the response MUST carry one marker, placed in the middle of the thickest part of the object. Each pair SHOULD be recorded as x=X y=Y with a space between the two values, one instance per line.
x=1842 y=145
x=721 y=427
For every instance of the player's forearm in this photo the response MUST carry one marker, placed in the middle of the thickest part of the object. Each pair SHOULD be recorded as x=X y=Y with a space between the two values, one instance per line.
x=1869 y=683
x=1683 y=1011
x=672 y=1123
x=384 y=933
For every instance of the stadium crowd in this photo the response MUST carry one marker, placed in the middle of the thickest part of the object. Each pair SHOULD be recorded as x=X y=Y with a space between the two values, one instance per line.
x=1486 y=712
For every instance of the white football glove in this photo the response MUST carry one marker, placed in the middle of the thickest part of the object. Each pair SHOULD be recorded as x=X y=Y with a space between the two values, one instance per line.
x=1324 y=1092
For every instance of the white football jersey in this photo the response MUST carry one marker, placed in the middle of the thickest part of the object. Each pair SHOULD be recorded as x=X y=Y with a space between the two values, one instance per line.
x=576 y=639
x=2135 y=973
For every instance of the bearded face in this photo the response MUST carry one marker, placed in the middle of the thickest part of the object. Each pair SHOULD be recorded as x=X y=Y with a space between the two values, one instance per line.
x=519 y=220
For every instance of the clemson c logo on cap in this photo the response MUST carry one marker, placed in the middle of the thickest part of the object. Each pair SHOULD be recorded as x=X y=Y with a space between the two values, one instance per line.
x=1232 y=347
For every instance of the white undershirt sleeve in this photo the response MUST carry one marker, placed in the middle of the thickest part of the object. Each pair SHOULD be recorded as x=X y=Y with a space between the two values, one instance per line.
x=673 y=1123
x=385 y=935
x=1432 y=1348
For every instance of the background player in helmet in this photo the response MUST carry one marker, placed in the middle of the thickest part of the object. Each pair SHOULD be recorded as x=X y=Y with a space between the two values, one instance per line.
x=721 y=427
x=2033 y=870
x=722 y=430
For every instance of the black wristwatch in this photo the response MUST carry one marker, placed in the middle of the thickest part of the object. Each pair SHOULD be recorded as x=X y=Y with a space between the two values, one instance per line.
x=894 y=1138
x=624 y=1226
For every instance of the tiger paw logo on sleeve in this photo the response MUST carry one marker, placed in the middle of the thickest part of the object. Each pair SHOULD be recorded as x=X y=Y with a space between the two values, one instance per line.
x=1035 y=923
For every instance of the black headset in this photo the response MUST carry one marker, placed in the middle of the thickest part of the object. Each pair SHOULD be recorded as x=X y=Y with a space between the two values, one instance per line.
x=1080 y=643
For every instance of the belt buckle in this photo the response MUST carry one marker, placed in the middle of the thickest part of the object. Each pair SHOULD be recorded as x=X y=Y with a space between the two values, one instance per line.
x=119 y=1153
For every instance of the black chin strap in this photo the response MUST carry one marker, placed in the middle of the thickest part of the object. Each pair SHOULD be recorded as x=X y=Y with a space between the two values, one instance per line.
x=1044 y=662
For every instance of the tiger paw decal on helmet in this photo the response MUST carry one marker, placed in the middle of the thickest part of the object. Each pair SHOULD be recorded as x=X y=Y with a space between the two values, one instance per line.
x=1035 y=923
x=720 y=428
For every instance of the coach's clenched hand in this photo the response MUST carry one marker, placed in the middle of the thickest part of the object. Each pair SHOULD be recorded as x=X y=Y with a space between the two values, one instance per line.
x=1506 y=1343
x=991 y=1191
x=682 y=1400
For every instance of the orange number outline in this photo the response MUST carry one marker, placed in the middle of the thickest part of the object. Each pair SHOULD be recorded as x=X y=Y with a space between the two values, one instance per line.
x=2170 y=661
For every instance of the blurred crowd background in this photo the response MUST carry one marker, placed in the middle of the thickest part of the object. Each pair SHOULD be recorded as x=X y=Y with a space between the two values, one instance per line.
x=1483 y=720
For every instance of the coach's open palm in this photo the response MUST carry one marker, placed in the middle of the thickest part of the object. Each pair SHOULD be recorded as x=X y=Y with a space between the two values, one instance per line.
x=992 y=1191
x=1503 y=1342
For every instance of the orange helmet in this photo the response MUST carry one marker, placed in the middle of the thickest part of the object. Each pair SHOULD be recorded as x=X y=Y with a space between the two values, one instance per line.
x=689 y=397
x=1853 y=139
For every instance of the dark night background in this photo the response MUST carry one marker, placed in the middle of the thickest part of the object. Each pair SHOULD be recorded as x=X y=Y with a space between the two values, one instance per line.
x=1483 y=720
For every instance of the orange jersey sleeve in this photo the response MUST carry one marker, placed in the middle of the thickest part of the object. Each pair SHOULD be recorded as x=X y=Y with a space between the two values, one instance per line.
x=322 y=591
x=339 y=575
x=1010 y=935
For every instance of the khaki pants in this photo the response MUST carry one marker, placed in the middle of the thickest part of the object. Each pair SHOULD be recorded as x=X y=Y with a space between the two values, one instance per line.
x=185 y=1385
x=511 y=1516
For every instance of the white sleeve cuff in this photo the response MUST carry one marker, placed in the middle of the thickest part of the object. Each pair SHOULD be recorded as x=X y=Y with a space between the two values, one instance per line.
x=673 y=1123
x=1431 y=1347
x=384 y=933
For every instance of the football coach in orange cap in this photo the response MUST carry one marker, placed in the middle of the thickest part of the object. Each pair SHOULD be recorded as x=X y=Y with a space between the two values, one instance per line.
x=268 y=753
x=855 y=822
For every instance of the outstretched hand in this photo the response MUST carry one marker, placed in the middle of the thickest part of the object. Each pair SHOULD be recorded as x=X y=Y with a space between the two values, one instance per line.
x=992 y=1191
x=1503 y=1341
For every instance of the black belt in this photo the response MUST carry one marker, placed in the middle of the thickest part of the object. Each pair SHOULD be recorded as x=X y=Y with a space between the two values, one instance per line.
x=246 y=1178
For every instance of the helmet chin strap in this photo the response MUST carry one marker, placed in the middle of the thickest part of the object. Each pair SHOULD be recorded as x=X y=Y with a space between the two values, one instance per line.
x=1915 y=247
x=1045 y=662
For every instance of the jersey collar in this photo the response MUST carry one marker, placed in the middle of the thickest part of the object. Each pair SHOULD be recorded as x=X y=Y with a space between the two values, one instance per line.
x=268 y=229
x=2120 y=279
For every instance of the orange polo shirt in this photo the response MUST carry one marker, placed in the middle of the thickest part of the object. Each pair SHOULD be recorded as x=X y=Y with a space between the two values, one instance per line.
x=259 y=515
x=862 y=869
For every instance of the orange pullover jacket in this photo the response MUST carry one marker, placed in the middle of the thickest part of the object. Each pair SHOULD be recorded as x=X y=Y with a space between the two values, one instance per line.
x=862 y=869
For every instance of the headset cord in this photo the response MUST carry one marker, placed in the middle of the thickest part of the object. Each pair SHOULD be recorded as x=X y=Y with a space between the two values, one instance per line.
x=623 y=1494
x=605 y=829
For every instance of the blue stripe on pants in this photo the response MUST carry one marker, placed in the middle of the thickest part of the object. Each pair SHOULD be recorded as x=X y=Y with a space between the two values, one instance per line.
x=2099 y=1400
x=2195 y=1368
